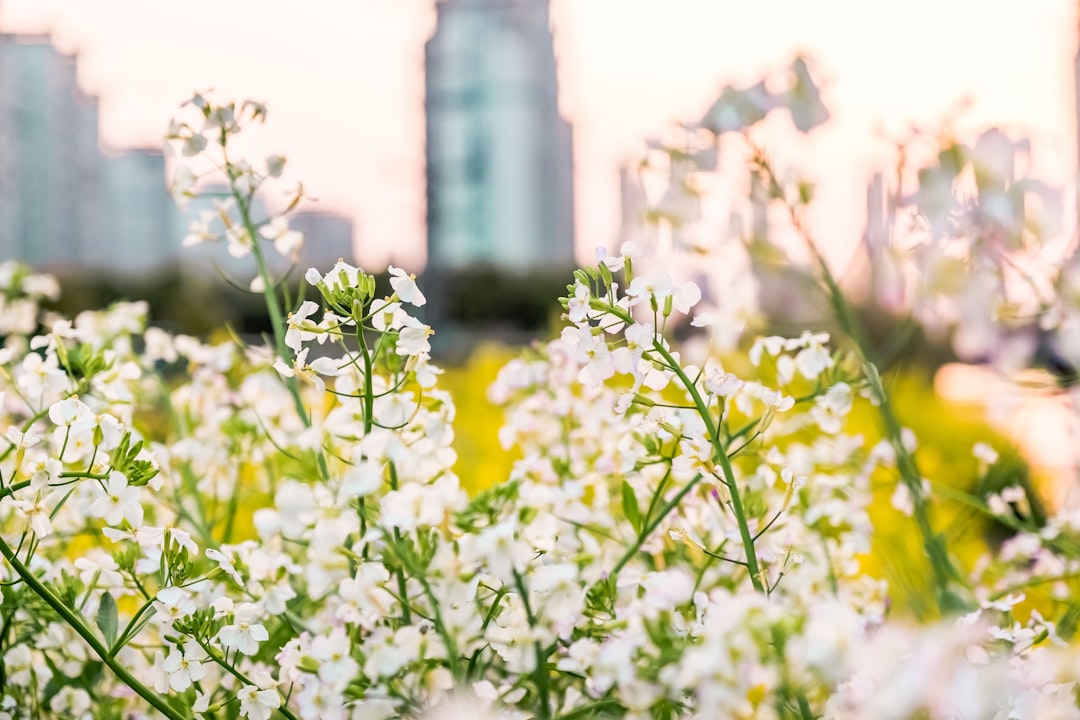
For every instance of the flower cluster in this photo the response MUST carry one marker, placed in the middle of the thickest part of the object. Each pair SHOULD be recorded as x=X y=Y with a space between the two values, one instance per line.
x=196 y=530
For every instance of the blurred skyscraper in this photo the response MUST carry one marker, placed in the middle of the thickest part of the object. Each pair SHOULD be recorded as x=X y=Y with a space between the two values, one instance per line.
x=499 y=155
x=140 y=222
x=63 y=202
x=50 y=166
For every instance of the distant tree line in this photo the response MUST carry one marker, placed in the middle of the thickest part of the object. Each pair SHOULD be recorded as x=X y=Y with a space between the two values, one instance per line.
x=519 y=304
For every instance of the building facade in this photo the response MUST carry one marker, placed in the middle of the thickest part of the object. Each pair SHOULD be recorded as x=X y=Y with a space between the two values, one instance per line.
x=64 y=202
x=51 y=168
x=140 y=224
x=499 y=154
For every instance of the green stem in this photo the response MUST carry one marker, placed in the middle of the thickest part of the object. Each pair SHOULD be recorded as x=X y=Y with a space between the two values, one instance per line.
x=76 y=623
x=453 y=657
x=718 y=450
x=403 y=588
x=651 y=527
x=130 y=631
x=14 y=488
x=942 y=567
x=720 y=453
x=541 y=656
x=943 y=570
x=369 y=385
x=273 y=307
x=593 y=710
x=216 y=657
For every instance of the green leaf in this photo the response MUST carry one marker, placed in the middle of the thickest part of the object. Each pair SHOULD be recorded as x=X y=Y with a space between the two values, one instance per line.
x=630 y=506
x=1069 y=621
x=107 y=621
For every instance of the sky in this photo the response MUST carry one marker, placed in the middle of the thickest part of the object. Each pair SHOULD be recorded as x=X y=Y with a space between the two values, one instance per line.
x=344 y=83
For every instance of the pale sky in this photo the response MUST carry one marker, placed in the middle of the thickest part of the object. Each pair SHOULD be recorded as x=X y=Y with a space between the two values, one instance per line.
x=344 y=82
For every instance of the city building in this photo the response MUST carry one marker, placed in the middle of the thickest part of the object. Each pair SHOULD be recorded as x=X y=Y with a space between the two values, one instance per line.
x=64 y=202
x=499 y=154
x=139 y=225
x=51 y=168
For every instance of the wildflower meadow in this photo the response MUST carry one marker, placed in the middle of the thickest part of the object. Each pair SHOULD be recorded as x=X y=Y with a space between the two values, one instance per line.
x=282 y=530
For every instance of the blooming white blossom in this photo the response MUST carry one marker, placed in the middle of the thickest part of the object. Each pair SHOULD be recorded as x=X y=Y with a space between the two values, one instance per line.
x=405 y=288
x=256 y=704
x=37 y=512
x=413 y=337
x=119 y=502
x=186 y=667
x=301 y=329
x=244 y=634
x=287 y=242
x=173 y=603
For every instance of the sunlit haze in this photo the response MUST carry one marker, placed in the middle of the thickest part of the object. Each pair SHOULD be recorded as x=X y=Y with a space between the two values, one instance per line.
x=344 y=80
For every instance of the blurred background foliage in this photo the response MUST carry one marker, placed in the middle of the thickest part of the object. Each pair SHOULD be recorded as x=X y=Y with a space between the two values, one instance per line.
x=475 y=302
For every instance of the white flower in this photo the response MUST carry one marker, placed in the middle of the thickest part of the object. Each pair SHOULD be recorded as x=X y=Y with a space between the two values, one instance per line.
x=37 y=513
x=613 y=262
x=405 y=287
x=238 y=239
x=736 y=110
x=336 y=666
x=578 y=306
x=173 y=603
x=815 y=358
x=222 y=606
x=183 y=185
x=199 y=230
x=69 y=412
x=300 y=327
x=342 y=276
x=413 y=338
x=593 y=352
x=244 y=634
x=668 y=589
x=225 y=564
x=184 y=668
x=685 y=297
x=146 y=536
x=275 y=165
x=717 y=382
x=194 y=144
x=829 y=409
x=773 y=345
x=202 y=702
x=287 y=242
x=256 y=704
x=804 y=99
x=220 y=117
x=985 y=453
x=183 y=539
x=119 y=502
x=650 y=288
x=416 y=505
x=365 y=595
x=71 y=702
x=101 y=571
x=363 y=478
x=310 y=373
